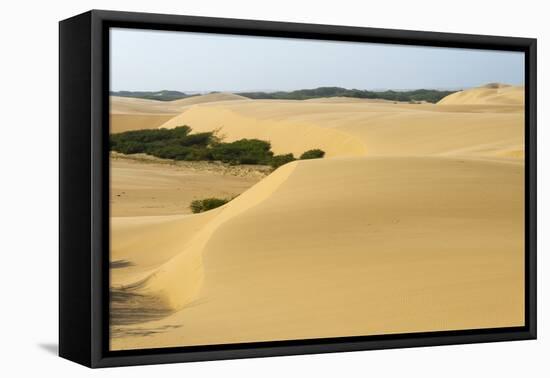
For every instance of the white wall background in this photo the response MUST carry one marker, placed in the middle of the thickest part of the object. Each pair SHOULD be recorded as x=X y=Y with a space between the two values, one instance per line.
x=29 y=174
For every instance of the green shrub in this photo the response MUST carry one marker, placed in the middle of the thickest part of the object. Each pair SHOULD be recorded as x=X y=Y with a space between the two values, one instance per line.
x=174 y=152
x=180 y=131
x=129 y=147
x=199 y=206
x=152 y=135
x=200 y=139
x=198 y=154
x=313 y=154
x=176 y=144
x=279 y=160
x=180 y=144
x=244 y=151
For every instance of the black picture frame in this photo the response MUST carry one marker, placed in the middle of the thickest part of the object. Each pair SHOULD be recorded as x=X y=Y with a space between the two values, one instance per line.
x=84 y=187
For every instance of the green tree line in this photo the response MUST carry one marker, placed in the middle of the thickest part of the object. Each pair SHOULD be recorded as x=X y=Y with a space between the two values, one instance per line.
x=428 y=95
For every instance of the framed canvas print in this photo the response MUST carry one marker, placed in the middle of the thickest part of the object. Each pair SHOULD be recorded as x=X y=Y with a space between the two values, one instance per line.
x=235 y=188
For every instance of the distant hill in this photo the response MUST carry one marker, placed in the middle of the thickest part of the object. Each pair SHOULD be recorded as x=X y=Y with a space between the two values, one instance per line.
x=428 y=95
x=150 y=95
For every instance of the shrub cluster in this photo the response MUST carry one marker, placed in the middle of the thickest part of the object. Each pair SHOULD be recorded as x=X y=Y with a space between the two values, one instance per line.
x=176 y=144
x=279 y=160
x=180 y=144
x=243 y=151
x=199 y=206
x=313 y=154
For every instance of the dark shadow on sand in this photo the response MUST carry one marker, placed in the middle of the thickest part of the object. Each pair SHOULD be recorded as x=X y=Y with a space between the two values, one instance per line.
x=117 y=264
x=129 y=309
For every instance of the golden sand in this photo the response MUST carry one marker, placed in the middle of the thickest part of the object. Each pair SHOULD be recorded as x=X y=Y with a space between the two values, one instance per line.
x=414 y=222
x=154 y=187
x=137 y=114
x=497 y=94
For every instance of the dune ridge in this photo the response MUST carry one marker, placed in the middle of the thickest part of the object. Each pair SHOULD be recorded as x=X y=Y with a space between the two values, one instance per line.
x=131 y=105
x=128 y=122
x=285 y=136
x=494 y=93
x=211 y=97
x=183 y=273
x=127 y=113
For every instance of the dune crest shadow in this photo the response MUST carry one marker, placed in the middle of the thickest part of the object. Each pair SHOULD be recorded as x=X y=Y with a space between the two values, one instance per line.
x=117 y=264
x=129 y=308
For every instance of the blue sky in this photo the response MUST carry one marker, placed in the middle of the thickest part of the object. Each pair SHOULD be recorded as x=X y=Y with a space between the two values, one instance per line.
x=155 y=60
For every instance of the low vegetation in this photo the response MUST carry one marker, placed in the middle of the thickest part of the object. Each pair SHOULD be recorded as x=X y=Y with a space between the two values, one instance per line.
x=154 y=95
x=418 y=95
x=313 y=154
x=202 y=205
x=279 y=160
x=180 y=144
x=243 y=151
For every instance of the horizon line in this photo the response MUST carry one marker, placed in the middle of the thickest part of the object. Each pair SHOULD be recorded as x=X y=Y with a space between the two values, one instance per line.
x=457 y=88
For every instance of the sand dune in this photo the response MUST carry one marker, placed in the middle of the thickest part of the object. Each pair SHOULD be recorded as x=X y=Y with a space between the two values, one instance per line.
x=136 y=113
x=211 y=97
x=178 y=281
x=414 y=222
x=357 y=129
x=440 y=239
x=130 y=105
x=137 y=236
x=495 y=94
x=235 y=121
x=127 y=122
